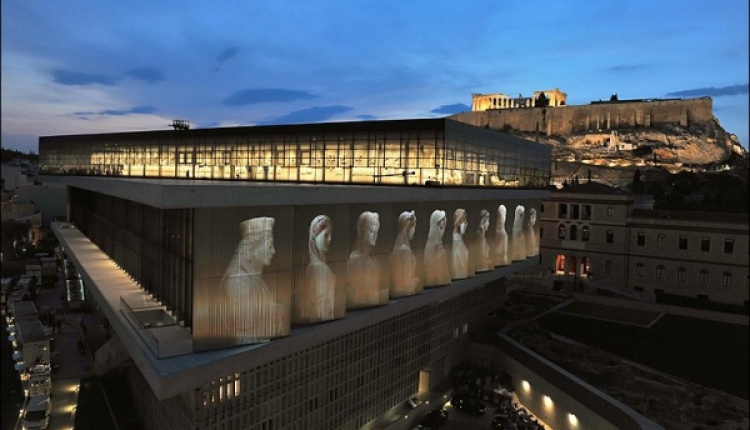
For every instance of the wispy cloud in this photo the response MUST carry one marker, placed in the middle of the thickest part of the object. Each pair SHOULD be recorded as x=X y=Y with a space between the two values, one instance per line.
x=451 y=109
x=732 y=90
x=149 y=75
x=313 y=114
x=116 y=112
x=225 y=56
x=66 y=77
x=266 y=95
x=625 y=68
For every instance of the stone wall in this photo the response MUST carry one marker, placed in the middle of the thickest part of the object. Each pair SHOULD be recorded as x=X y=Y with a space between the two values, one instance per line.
x=583 y=118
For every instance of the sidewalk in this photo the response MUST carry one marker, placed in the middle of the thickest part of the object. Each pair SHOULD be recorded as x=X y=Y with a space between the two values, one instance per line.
x=70 y=367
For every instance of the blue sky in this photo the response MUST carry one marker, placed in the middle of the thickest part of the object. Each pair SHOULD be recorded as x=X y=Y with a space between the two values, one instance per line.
x=87 y=67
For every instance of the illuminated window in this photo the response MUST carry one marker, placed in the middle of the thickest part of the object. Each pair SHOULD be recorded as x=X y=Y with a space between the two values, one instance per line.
x=560 y=265
x=585 y=266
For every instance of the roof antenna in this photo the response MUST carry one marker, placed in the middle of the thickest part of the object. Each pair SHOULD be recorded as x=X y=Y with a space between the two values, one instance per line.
x=180 y=124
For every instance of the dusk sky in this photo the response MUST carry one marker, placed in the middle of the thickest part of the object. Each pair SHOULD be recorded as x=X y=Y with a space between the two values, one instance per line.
x=75 y=67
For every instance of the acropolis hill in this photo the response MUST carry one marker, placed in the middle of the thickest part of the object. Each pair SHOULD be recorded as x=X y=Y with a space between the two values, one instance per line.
x=668 y=132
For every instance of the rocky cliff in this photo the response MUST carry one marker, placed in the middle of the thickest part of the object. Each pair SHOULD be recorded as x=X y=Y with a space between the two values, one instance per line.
x=698 y=144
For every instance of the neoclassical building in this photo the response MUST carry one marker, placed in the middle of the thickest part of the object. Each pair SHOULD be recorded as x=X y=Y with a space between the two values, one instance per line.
x=597 y=237
x=247 y=272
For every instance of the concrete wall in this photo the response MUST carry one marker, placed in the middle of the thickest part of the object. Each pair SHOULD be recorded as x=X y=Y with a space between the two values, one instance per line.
x=606 y=116
x=592 y=408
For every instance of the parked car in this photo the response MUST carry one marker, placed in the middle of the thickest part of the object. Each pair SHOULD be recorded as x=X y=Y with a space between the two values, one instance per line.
x=36 y=415
x=433 y=420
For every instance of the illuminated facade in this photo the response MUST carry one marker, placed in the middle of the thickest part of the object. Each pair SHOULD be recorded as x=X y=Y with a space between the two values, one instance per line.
x=258 y=304
x=379 y=152
x=551 y=98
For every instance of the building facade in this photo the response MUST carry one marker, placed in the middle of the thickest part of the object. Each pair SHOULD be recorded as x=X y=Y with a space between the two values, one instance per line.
x=552 y=98
x=259 y=291
x=595 y=237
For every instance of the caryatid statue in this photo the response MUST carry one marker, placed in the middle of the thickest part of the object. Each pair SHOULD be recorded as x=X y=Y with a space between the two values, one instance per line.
x=363 y=269
x=403 y=263
x=532 y=244
x=501 y=238
x=459 y=253
x=249 y=309
x=518 y=244
x=316 y=300
x=482 y=249
x=436 y=270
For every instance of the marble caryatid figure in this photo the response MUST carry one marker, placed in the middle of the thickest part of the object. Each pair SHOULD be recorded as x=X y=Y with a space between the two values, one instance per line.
x=501 y=238
x=435 y=259
x=532 y=245
x=250 y=310
x=403 y=263
x=482 y=249
x=316 y=299
x=459 y=253
x=363 y=269
x=518 y=244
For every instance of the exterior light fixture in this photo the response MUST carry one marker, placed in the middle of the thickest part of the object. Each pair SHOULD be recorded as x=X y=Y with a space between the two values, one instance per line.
x=525 y=385
x=573 y=420
x=548 y=401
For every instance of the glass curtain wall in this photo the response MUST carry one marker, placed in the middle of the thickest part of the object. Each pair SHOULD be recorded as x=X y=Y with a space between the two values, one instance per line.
x=427 y=152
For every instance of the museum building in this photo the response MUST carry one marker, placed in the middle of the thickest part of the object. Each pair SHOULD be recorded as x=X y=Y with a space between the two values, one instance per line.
x=294 y=276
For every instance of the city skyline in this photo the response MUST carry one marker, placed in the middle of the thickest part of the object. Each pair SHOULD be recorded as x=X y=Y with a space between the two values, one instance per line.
x=78 y=68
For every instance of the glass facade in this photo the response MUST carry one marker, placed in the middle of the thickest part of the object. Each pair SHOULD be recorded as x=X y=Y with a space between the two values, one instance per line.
x=403 y=152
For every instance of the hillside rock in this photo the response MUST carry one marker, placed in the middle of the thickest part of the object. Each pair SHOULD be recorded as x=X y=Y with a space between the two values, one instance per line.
x=699 y=144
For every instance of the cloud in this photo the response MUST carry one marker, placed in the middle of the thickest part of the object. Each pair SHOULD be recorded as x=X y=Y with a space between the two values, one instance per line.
x=451 y=109
x=225 y=56
x=313 y=114
x=66 y=77
x=149 y=75
x=366 y=117
x=266 y=95
x=731 y=90
x=228 y=54
x=113 y=112
x=624 y=68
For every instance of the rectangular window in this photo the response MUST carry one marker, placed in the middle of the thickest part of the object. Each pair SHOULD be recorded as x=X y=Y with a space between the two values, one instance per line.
x=683 y=243
x=705 y=244
x=586 y=212
x=610 y=236
x=541 y=232
x=562 y=210
x=541 y=208
x=610 y=211
x=641 y=239
x=661 y=240
x=575 y=211
x=728 y=246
